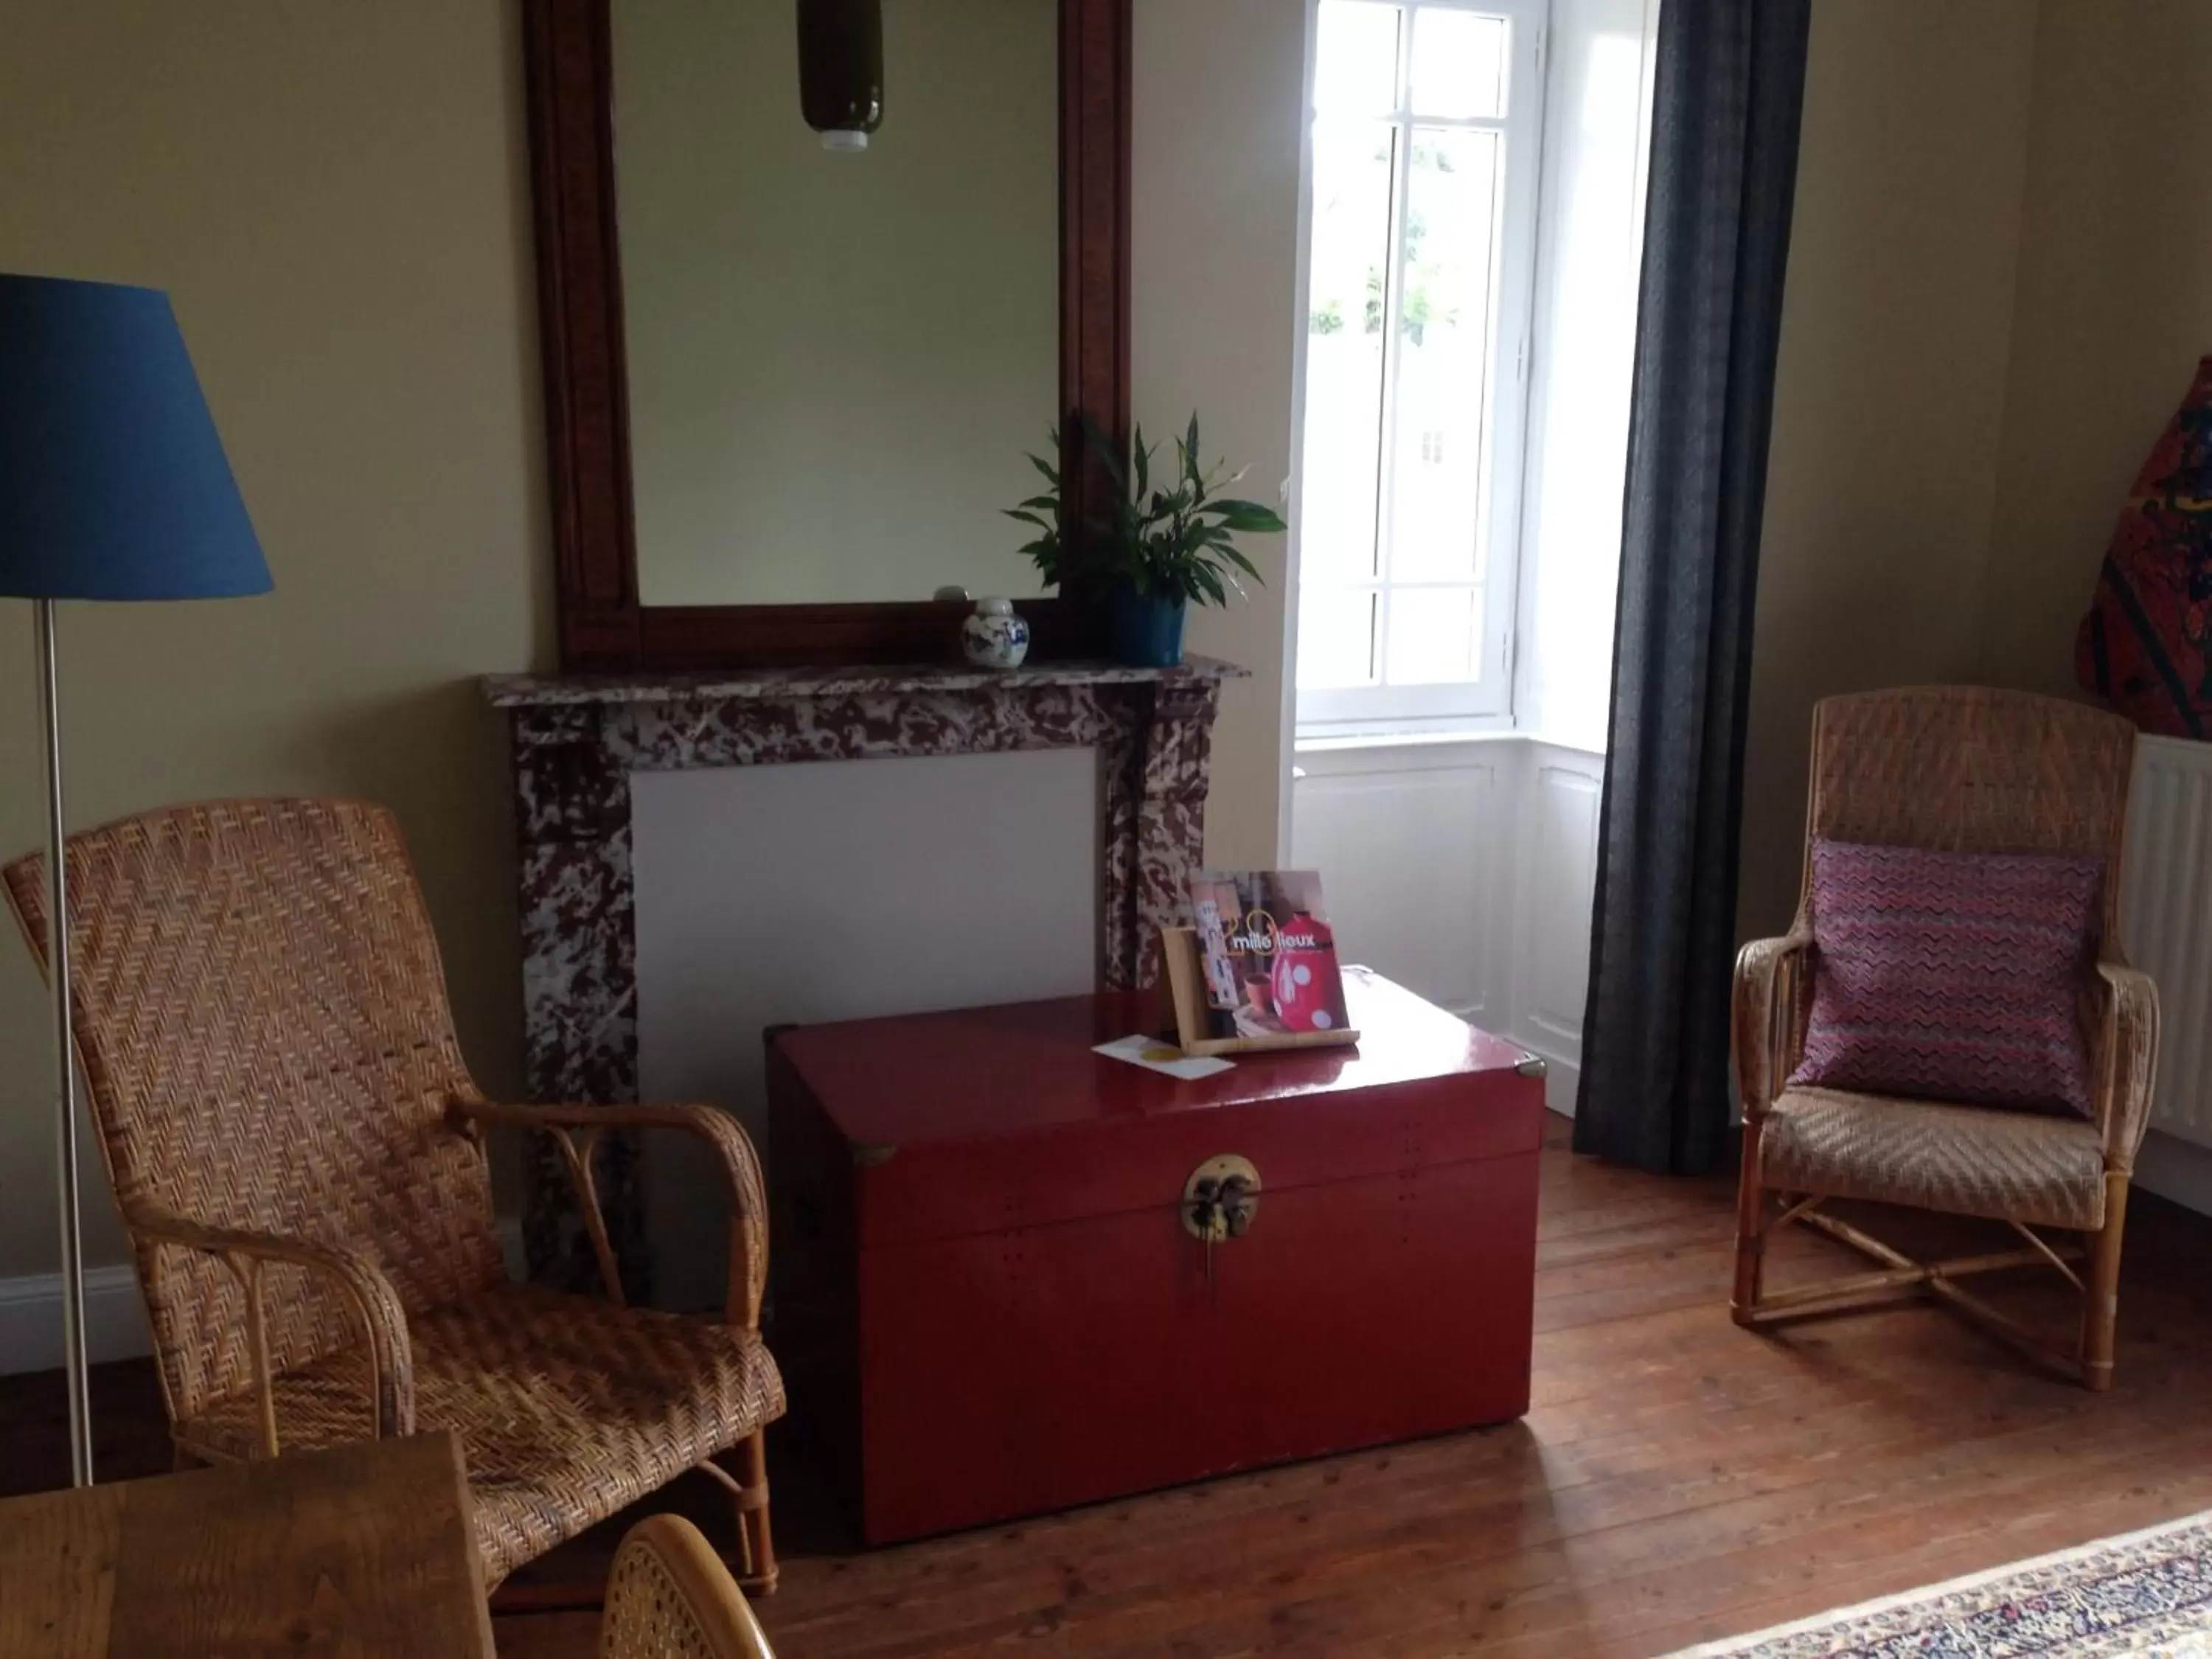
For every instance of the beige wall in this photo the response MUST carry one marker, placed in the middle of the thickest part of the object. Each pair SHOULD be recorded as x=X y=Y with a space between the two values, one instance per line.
x=2114 y=309
x=1220 y=98
x=334 y=194
x=1890 y=393
x=837 y=362
x=2000 y=283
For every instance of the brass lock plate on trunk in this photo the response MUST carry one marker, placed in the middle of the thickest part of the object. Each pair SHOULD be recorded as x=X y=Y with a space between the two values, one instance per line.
x=1221 y=1199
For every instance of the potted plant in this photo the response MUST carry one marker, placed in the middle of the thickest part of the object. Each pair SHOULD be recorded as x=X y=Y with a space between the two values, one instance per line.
x=1155 y=551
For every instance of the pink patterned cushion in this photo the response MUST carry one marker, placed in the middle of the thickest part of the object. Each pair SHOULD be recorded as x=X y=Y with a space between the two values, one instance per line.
x=1950 y=975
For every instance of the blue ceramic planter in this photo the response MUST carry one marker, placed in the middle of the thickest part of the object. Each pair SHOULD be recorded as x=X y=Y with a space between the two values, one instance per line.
x=1146 y=628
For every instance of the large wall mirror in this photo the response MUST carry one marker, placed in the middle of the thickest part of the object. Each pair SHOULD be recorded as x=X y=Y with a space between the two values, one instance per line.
x=835 y=360
x=789 y=389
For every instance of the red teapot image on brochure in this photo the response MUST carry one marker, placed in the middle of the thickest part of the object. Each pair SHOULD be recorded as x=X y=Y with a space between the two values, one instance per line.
x=1269 y=955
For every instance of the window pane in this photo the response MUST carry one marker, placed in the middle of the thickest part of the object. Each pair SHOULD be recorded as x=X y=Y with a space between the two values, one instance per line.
x=1336 y=637
x=1459 y=65
x=1439 y=521
x=1436 y=636
x=1356 y=58
x=1343 y=350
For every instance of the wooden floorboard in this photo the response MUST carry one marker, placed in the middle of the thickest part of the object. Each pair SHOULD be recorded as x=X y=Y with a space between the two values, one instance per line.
x=1676 y=1479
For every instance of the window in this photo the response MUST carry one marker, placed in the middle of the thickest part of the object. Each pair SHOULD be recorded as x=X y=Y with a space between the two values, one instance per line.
x=1420 y=274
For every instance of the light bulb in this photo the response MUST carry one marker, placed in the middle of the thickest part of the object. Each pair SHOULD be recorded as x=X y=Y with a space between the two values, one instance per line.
x=840 y=70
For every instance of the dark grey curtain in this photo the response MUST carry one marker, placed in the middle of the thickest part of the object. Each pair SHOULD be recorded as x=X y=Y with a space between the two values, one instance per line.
x=1730 y=79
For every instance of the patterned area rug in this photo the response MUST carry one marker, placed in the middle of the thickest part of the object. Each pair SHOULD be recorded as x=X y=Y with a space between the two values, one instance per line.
x=2148 y=1594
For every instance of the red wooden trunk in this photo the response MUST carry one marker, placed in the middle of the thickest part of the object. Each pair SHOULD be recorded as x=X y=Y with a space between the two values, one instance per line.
x=984 y=1287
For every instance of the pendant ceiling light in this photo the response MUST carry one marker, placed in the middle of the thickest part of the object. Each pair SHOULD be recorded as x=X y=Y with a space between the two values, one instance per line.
x=841 y=70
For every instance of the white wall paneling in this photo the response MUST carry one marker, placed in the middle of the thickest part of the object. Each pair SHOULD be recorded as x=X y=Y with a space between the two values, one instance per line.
x=838 y=889
x=1463 y=871
x=1555 y=873
x=1411 y=841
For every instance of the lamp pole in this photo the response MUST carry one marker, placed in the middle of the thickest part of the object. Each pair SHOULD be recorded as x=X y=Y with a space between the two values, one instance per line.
x=57 y=946
x=113 y=486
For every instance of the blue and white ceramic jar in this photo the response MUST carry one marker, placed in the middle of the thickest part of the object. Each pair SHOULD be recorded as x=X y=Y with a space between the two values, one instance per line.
x=994 y=637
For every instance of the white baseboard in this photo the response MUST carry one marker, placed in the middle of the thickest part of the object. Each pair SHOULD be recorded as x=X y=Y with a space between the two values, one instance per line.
x=1562 y=1078
x=114 y=1317
x=2176 y=1170
x=31 y=1319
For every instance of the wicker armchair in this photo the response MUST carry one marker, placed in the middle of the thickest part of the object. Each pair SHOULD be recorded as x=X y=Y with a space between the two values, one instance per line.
x=1957 y=769
x=668 y=1597
x=298 y=1155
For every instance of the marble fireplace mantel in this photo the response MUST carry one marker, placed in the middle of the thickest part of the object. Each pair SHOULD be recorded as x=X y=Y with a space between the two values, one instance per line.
x=577 y=740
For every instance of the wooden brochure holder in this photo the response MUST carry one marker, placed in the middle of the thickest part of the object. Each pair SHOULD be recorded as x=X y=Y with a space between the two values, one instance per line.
x=1187 y=991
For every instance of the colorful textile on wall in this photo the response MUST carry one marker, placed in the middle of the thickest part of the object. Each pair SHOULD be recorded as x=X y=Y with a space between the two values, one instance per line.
x=2146 y=645
x=2149 y=1595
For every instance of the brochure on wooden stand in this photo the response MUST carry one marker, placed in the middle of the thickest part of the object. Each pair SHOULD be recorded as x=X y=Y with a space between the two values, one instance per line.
x=1257 y=968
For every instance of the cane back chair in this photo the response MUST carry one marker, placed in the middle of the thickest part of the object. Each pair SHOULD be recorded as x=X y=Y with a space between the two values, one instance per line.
x=1952 y=769
x=298 y=1155
x=670 y=1597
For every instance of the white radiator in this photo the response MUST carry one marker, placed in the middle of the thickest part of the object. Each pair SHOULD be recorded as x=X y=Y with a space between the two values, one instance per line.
x=2166 y=921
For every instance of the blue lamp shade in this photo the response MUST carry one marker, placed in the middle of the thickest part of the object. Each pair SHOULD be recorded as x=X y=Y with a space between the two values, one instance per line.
x=114 y=484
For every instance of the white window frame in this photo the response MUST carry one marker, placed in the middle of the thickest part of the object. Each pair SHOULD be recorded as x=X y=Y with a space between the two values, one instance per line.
x=1485 y=704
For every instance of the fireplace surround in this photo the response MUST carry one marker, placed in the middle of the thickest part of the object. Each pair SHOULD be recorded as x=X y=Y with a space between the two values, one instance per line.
x=577 y=740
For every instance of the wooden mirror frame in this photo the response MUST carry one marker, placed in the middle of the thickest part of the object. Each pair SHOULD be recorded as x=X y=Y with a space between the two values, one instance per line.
x=604 y=627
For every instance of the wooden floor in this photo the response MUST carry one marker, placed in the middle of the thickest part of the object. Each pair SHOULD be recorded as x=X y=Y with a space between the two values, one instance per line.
x=1677 y=1479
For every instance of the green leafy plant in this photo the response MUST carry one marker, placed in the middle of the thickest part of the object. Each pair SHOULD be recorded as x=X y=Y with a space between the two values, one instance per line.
x=1170 y=540
x=1043 y=514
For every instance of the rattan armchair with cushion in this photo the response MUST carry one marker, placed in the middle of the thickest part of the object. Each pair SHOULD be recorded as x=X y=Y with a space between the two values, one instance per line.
x=1952 y=770
x=297 y=1153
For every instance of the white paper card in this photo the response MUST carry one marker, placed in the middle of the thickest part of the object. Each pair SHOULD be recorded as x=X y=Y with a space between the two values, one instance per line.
x=1155 y=1055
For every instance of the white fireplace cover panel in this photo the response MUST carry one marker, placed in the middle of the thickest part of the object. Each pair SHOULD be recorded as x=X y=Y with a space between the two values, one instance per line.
x=837 y=889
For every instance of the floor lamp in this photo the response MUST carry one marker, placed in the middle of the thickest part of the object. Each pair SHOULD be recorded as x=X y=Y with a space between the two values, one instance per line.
x=113 y=486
